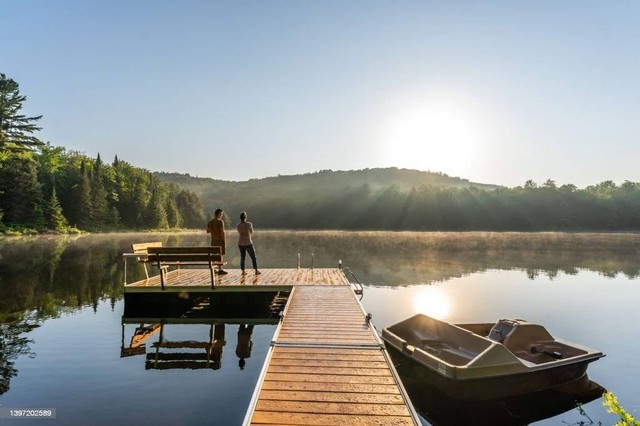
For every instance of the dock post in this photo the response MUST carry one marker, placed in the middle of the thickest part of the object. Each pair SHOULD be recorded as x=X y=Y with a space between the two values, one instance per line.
x=312 y=259
x=298 y=267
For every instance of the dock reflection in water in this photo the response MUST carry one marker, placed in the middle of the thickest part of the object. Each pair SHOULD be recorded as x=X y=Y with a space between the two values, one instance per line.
x=440 y=409
x=181 y=340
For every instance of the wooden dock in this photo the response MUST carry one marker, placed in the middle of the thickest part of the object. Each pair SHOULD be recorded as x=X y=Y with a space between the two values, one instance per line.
x=326 y=365
x=198 y=280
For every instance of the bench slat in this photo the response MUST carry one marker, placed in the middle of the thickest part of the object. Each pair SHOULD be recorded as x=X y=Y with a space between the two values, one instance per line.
x=185 y=250
x=143 y=247
x=184 y=257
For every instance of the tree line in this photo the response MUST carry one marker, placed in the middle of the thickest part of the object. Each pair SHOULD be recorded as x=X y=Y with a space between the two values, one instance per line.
x=43 y=187
x=341 y=204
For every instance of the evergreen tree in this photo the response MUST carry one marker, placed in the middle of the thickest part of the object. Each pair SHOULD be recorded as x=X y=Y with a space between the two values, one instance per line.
x=156 y=214
x=174 y=218
x=99 y=204
x=83 y=206
x=54 y=217
x=20 y=191
x=15 y=129
x=191 y=209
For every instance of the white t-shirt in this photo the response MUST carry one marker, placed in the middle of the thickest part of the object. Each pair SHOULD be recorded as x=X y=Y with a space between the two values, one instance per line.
x=245 y=229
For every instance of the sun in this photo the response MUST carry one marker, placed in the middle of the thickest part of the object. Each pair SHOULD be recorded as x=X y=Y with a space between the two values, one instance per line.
x=436 y=136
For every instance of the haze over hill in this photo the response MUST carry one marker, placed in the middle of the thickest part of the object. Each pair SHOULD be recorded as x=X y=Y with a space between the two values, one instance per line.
x=233 y=195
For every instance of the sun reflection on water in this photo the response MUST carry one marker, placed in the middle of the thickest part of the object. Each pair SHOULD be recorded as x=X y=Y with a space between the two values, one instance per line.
x=432 y=301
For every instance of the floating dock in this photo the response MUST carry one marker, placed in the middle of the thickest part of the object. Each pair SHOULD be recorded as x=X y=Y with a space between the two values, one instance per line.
x=326 y=365
x=198 y=280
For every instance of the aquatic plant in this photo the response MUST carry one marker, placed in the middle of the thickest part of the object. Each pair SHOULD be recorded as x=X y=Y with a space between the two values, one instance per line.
x=613 y=406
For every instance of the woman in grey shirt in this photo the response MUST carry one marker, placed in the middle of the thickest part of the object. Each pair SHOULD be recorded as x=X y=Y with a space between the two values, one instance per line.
x=245 y=229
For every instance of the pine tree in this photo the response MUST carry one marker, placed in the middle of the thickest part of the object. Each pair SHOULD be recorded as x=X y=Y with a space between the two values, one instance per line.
x=174 y=218
x=54 y=217
x=99 y=204
x=15 y=129
x=191 y=209
x=20 y=191
x=83 y=196
x=156 y=213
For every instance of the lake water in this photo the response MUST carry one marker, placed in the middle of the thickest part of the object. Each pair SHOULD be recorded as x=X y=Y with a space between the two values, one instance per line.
x=62 y=331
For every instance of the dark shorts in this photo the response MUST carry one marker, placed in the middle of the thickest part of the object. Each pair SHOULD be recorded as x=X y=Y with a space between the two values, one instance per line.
x=219 y=243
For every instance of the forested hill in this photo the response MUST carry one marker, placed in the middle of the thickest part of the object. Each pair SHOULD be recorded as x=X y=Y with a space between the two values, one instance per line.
x=319 y=185
x=396 y=199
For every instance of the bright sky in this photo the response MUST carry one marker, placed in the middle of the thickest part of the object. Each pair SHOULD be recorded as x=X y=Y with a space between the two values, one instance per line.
x=496 y=92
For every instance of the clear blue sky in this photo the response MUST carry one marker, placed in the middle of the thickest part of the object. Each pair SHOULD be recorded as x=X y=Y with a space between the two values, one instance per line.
x=496 y=92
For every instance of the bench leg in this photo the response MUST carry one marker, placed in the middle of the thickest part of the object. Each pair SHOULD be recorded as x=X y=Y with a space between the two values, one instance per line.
x=213 y=277
x=162 y=278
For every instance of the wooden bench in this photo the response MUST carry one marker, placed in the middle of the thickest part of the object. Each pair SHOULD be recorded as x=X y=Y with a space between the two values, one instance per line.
x=162 y=257
x=141 y=249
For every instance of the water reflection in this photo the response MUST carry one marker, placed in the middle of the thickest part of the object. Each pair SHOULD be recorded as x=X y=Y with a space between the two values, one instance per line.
x=14 y=343
x=163 y=316
x=440 y=409
x=203 y=349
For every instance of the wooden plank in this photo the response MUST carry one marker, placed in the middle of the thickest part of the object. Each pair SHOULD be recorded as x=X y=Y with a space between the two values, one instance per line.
x=337 y=397
x=283 y=350
x=331 y=387
x=331 y=362
x=278 y=418
x=324 y=333
x=334 y=371
x=320 y=378
x=332 y=408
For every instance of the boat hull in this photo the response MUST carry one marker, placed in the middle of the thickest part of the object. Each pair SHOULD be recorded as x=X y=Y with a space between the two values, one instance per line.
x=486 y=387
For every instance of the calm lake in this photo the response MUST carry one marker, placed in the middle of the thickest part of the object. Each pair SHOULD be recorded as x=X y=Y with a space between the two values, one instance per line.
x=62 y=330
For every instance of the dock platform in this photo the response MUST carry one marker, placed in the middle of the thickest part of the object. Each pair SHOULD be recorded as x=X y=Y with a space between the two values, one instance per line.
x=277 y=279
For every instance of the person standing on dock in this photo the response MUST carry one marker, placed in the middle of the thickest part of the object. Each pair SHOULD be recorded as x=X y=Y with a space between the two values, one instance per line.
x=245 y=229
x=215 y=227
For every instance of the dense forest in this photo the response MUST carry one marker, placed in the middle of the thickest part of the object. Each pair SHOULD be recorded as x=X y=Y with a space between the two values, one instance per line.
x=43 y=187
x=397 y=199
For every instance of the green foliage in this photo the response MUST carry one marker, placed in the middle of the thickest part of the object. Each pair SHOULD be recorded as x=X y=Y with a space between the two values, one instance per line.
x=20 y=192
x=15 y=129
x=344 y=200
x=613 y=406
x=54 y=217
x=88 y=194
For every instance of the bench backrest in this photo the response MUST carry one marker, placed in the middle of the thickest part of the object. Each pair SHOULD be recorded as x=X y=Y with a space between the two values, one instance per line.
x=142 y=248
x=185 y=254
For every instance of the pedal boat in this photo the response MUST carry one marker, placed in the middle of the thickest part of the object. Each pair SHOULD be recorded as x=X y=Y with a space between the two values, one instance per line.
x=484 y=361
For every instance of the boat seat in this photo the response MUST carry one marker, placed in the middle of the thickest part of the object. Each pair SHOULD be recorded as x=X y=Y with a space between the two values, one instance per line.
x=525 y=336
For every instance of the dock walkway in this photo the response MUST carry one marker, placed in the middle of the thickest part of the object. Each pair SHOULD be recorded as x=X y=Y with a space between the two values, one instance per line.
x=328 y=366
